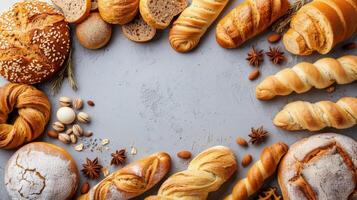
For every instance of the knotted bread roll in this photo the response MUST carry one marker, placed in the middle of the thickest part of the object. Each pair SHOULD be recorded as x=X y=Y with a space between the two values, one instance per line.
x=33 y=112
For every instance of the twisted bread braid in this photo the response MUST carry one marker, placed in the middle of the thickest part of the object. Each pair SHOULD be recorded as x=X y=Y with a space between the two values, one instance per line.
x=303 y=76
x=205 y=173
x=132 y=180
x=193 y=23
x=247 y=20
x=259 y=172
x=301 y=115
x=33 y=114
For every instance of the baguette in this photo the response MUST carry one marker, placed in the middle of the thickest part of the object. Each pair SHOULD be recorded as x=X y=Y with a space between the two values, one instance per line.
x=259 y=172
x=303 y=76
x=74 y=11
x=132 y=180
x=193 y=23
x=302 y=115
x=247 y=20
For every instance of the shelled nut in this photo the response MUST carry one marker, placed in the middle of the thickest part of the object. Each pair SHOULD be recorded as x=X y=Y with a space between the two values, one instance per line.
x=77 y=130
x=58 y=126
x=83 y=117
x=73 y=138
x=79 y=147
x=52 y=134
x=87 y=133
x=65 y=101
x=78 y=104
x=64 y=138
x=69 y=131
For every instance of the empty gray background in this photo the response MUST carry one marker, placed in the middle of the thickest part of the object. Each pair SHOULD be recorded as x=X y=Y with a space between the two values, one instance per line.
x=155 y=99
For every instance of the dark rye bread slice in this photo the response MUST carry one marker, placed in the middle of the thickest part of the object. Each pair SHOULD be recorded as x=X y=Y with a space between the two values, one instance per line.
x=138 y=30
x=74 y=11
x=159 y=13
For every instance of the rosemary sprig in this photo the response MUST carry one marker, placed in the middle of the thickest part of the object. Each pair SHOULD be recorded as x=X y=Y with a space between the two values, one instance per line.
x=283 y=23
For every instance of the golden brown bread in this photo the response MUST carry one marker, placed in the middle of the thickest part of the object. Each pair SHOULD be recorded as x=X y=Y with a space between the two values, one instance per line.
x=74 y=11
x=34 y=43
x=205 y=173
x=320 y=25
x=193 y=23
x=118 y=11
x=259 y=172
x=302 y=115
x=33 y=112
x=320 y=167
x=132 y=180
x=247 y=20
x=303 y=76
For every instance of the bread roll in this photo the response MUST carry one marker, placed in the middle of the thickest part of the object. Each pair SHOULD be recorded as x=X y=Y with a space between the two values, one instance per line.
x=132 y=180
x=41 y=171
x=118 y=11
x=321 y=167
x=205 y=173
x=247 y=20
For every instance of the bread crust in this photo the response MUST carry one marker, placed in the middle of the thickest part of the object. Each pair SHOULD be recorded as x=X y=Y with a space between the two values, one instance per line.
x=84 y=13
x=118 y=11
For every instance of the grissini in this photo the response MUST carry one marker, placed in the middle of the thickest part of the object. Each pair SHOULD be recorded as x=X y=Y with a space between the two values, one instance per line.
x=193 y=23
x=303 y=76
x=205 y=173
x=301 y=115
x=259 y=172
x=247 y=20
x=132 y=180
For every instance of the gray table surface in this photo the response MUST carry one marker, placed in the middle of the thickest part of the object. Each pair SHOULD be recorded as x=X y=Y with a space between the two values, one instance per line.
x=155 y=99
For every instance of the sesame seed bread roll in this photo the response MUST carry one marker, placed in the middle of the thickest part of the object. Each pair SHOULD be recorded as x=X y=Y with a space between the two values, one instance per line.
x=34 y=42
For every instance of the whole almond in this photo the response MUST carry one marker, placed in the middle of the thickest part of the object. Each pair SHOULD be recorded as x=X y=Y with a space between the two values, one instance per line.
x=65 y=101
x=58 y=126
x=349 y=46
x=78 y=104
x=87 y=133
x=52 y=134
x=64 y=138
x=85 y=188
x=242 y=142
x=246 y=160
x=77 y=130
x=90 y=103
x=83 y=117
x=274 y=38
x=254 y=74
x=73 y=138
x=184 y=154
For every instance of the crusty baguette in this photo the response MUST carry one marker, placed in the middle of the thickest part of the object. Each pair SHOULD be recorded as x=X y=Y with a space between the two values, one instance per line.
x=193 y=23
x=247 y=20
x=132 y=180
x=320 y=25
x=118 y=11
x=259 y=172
x=302 y=115
x=138 y=30
x=159 y=13
x=205 y=173
x=74 y=11
x=303 y=76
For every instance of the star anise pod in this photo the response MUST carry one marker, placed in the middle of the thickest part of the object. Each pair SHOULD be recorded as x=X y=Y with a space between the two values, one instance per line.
x=276 y=56
x=258 y=135
x=91 y=169
x=118 y=157
x=255 y=57
x=270 y=194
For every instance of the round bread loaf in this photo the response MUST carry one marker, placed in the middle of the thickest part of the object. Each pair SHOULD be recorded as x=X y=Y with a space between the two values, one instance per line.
x=34 y=42
x=321 y=167
x=41 y=171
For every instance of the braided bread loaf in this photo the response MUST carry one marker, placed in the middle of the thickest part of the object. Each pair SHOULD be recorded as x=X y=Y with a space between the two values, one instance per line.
x=193 y=23
x=132 y=180
x=33 y=112
x=301 y=115
x=205 y=173
x=247 y=20
x=303 y=76
x=259 y=172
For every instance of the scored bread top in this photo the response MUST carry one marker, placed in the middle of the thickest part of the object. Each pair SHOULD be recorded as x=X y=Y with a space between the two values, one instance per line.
x=138 y=30
x=34 y=42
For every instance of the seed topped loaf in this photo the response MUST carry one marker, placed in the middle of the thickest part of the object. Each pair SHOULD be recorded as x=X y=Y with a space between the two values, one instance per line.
x=34 y=42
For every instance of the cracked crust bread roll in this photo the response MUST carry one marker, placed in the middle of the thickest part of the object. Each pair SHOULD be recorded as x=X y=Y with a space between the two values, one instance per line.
x=320 y=167
x=41 y=171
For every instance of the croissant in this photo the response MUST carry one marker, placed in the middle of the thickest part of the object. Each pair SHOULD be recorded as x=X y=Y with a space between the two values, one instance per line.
x=320 y=25
x=205 y=173
x=33 y=112
x=303 y=76
x=132 y=180
x=302 y=115
x=259 y=172
x=247 y=20
x=193 y=23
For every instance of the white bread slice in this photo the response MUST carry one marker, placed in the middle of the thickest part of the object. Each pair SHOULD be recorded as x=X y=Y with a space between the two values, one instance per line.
x=74 y=11
x=159 y=13
x=138 y=30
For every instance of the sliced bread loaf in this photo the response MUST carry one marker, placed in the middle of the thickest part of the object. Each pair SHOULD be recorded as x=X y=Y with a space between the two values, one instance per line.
x=138 y=30
x=159 y=13
x=74 y=10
